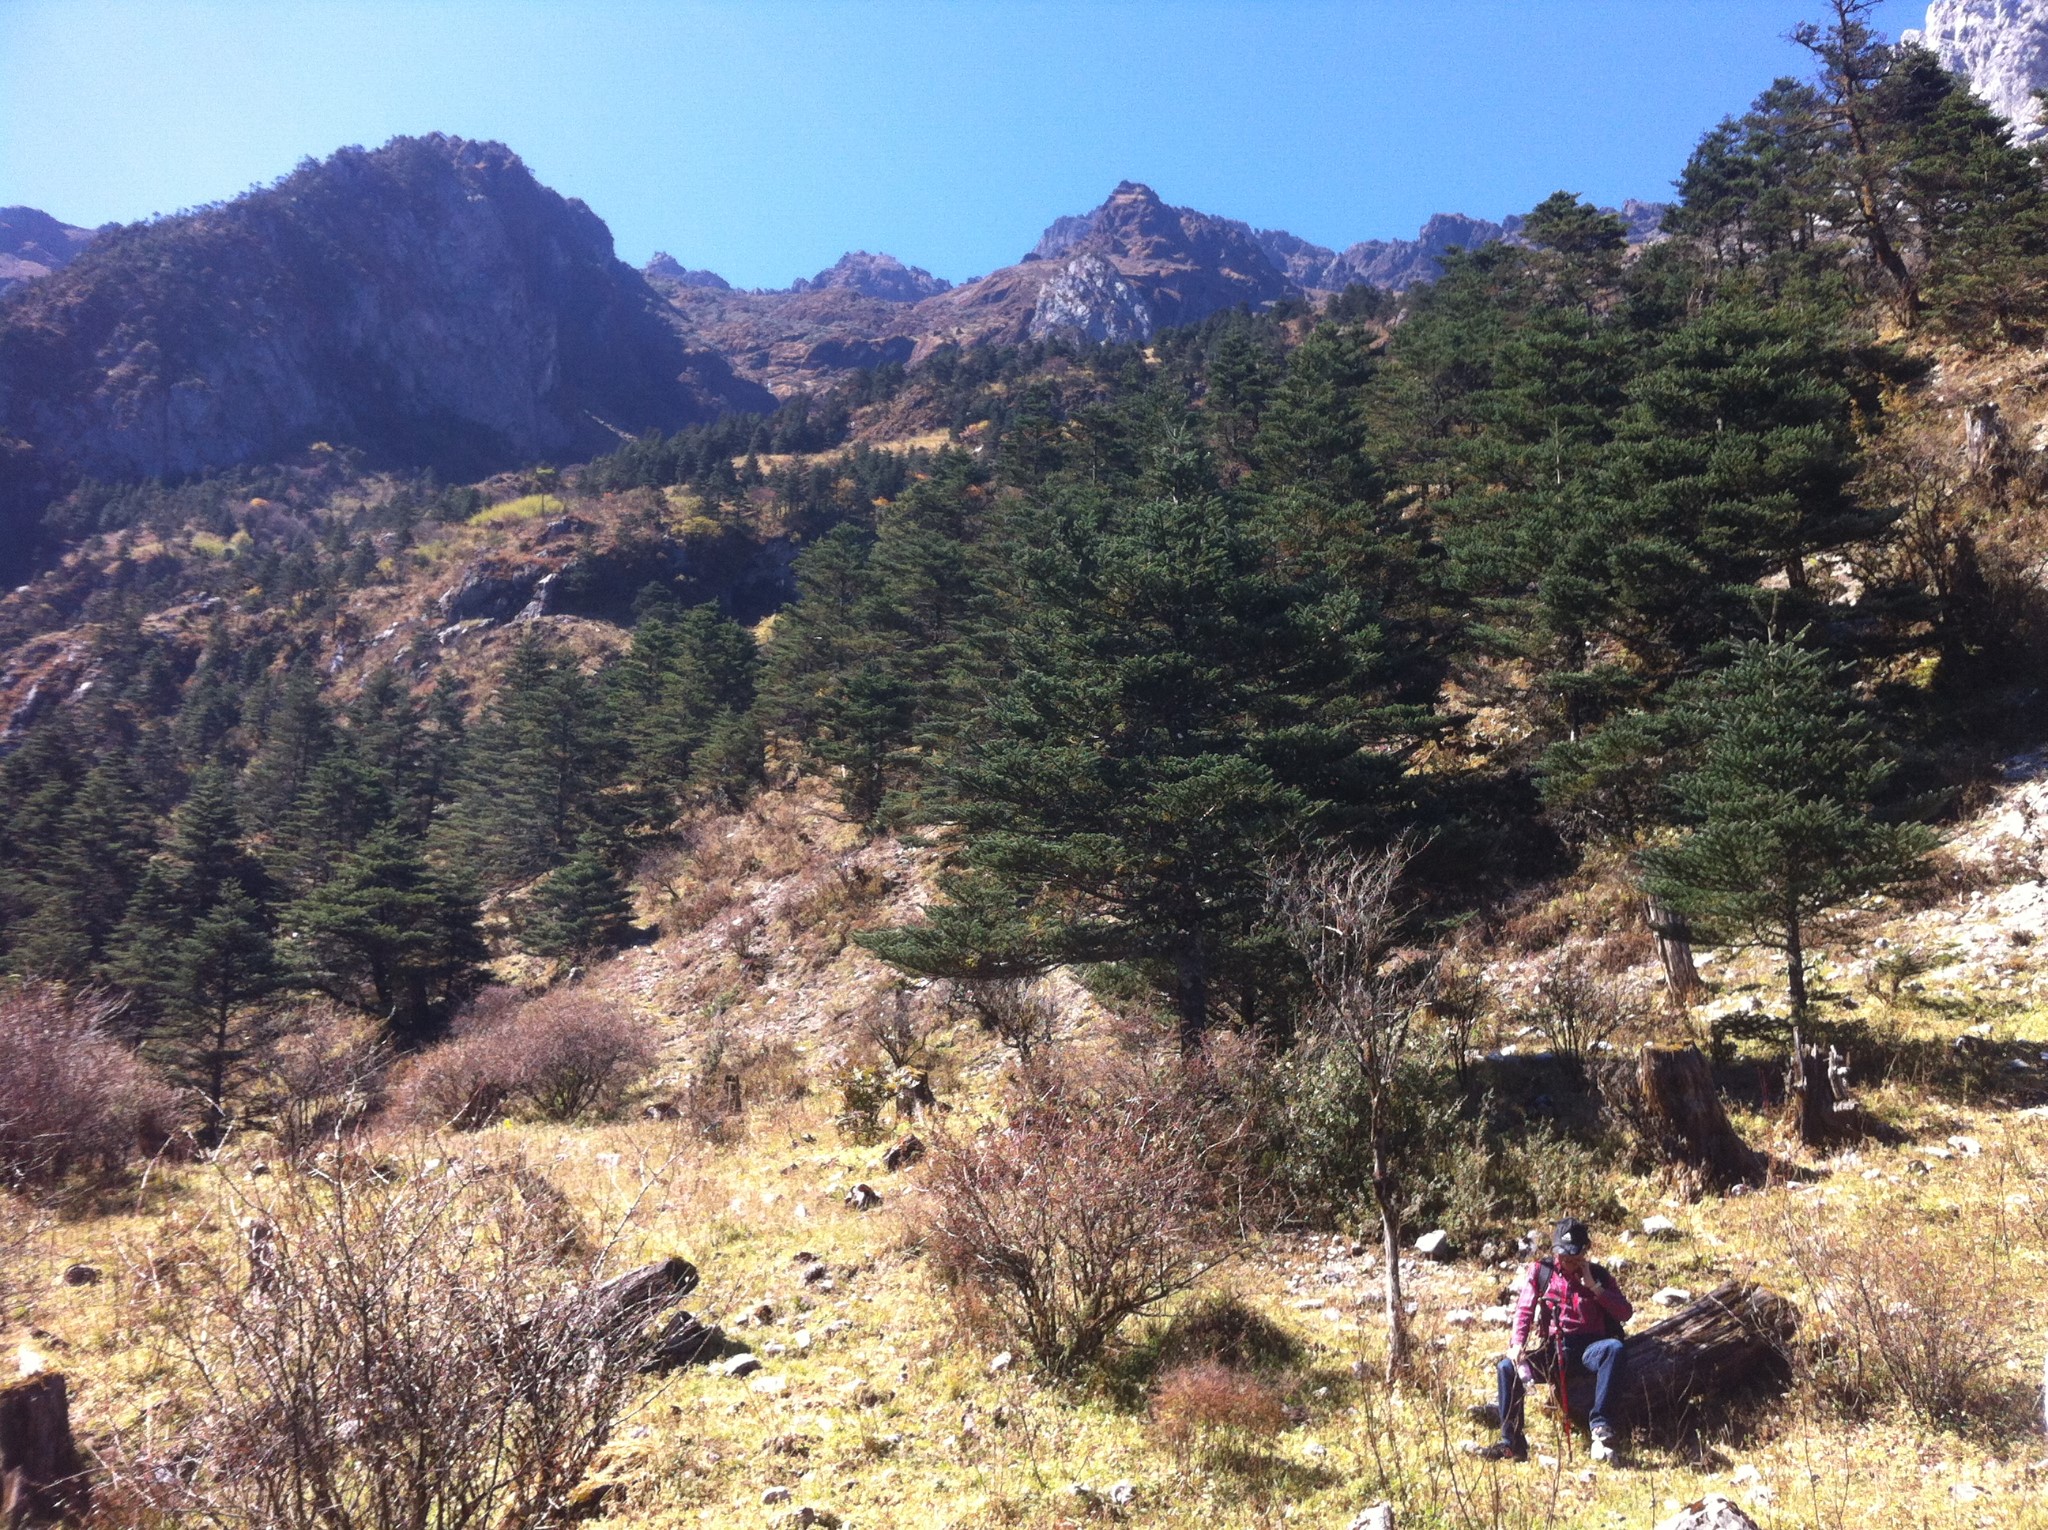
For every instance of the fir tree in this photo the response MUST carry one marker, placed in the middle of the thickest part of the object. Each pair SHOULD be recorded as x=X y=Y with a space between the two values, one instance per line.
x=581 y=910
x=1176 y=712
x=390 y=936
x=207 y=1037
x=1778 y=806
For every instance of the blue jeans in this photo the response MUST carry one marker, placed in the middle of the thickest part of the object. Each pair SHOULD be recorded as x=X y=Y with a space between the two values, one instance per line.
x=1589 y=1363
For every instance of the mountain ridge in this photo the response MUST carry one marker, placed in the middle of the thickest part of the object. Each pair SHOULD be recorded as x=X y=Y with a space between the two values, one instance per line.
x=429 y=302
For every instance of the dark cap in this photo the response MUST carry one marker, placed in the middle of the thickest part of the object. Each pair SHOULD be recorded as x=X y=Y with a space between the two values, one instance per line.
x=1572 y=1237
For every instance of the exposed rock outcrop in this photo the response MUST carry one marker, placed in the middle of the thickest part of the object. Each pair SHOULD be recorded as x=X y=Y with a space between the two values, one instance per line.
x=33 y=244
x=428 y=302
x=2001 y=46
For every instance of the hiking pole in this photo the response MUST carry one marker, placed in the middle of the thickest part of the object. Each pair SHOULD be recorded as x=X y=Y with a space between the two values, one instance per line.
x=1564 y=1393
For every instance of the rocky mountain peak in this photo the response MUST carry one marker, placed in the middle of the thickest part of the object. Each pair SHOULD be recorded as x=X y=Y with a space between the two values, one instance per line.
x=665 y=267
x=2001 y=46
x=429 y=302
x=876 y=276
x=32 y=244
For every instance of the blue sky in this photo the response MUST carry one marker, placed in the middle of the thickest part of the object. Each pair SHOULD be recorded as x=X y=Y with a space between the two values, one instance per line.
x=762 y=139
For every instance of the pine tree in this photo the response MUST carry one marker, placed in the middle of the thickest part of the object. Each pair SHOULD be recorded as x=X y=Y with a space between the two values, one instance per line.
x=535 y=769
x=1176 y=711
x=390 y=936
x=207 y=1036
x=1778 y=807
x=581 y=910
x=90 y=876
x=202 y=866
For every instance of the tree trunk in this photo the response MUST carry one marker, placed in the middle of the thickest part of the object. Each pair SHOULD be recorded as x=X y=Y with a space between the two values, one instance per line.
x=1795 y=967
x=1397 y=1316
x=1818 y=1087
x=1725 y=1338
x=1191 y=993
x=42 y=1476
x=1678 y=1089
x=1674 y=949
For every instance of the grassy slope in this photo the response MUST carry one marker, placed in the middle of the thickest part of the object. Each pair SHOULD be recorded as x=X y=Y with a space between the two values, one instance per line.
x=882 y=1406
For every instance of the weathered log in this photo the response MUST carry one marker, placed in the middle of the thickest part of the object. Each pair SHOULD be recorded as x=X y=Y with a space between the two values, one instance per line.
x=42 y=1476
x=1818 y=1087
x=683 y=1340
x=1678 y=1091
x=1674 y=950
x=1706 y=1349
x=628 y=1301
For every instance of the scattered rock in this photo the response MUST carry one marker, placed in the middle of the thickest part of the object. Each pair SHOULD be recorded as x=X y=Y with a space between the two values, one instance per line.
x=741 y=1365
x=81 y=1275
x=863 y=1197
x=1969 y=1147
x=1672 y=1296
x=1001 y=1363
x=1499 y=1317
x=761 y=1314
x=904 y=1154
x=766 y=1385
x=1659 y=1227
x=1486 y=1413
x=1434 y=1245
x=1379 y=1517
x=775 y=1495
x=1121 y=1494
x=810 y=1515
x=1713 y=1512
x=1460 y=1317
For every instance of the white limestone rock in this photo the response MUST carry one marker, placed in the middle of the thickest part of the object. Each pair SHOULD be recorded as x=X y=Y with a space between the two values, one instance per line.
x=2001 y=45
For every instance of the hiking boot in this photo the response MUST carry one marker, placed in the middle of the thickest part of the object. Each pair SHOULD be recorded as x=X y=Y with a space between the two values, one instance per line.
x=1504 y=1450
x=1606 y=1447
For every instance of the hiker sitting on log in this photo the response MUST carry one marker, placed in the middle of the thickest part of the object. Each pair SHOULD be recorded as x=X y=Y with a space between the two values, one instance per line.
x=1568 y=1332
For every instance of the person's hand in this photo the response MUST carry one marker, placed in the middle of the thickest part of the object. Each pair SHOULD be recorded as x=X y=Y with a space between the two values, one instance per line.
x=1526 y=1372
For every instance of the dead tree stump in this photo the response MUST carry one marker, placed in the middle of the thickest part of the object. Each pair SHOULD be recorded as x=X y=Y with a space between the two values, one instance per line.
x=1706 y=1349
x=42 y=1476
x=1678 y=1092
x=1818 y=1087
x=1674 y=950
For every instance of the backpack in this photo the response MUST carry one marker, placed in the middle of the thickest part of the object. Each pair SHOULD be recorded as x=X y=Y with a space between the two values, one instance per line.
x=1539 y=1349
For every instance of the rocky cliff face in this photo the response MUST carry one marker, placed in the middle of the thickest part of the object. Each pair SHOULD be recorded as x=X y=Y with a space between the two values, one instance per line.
x=2001 y=46
x=34 y=244
x=429 y=302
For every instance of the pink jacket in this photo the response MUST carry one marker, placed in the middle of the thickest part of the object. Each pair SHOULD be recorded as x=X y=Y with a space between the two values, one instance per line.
x=1574 y=1309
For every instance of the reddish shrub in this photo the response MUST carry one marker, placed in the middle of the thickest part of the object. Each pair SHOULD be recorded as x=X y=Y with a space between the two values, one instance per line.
x=72 y=1099
x=1100 y=1199
x=562 y=1056
x=1208 y=1402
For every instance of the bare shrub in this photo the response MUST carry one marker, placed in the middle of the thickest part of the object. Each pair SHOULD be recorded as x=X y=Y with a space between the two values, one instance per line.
x=415 y=1349
x=560 y=1057
x=1207 y=1404
x=1575 y=1007
x=1102 y=1197
x=322 y=1078
x=896 y=1025
x=1358 y=1076
x=72 y=1099
x=1912 y=1314
x=1017 y=1011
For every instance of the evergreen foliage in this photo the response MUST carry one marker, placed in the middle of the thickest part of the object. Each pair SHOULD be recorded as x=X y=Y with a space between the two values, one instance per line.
x=1777 y=806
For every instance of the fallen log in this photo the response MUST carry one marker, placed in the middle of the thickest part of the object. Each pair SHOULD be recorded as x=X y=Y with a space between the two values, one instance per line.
x=625 y=1304
x=42 y=1476
x=1735 y=1333
x=1678 y=1093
